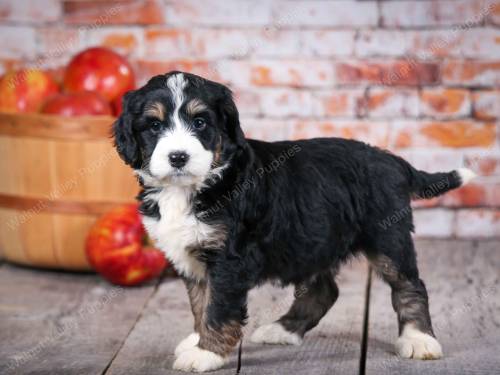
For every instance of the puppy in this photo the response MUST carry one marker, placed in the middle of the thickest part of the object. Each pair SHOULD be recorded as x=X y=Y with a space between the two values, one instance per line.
x=231 y=213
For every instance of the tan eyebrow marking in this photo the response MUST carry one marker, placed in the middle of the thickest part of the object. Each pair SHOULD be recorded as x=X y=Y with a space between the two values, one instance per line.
x=157 y=110
x=195 y=106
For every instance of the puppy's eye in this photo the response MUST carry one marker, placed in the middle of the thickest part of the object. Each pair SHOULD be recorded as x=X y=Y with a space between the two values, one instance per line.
x=199 y=123
x=156 y=126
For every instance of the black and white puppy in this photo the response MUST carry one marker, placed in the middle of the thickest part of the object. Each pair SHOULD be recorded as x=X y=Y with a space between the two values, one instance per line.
x=231 y=213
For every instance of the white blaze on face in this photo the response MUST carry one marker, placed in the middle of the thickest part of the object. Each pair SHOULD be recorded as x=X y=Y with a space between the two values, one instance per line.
x=179 y=138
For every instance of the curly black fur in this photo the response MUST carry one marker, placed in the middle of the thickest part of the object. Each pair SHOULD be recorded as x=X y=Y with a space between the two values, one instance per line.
x=296 y=210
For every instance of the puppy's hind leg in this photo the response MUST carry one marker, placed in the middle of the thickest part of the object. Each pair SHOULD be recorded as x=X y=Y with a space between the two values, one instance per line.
x=312 y=301
x=398 y=267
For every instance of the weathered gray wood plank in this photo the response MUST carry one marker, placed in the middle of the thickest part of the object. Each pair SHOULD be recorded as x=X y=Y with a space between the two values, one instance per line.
x=61 y=323
x=463 y=284
x=332 y=347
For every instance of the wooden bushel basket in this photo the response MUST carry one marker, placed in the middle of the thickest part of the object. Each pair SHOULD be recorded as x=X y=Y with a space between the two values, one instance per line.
x=57 y=175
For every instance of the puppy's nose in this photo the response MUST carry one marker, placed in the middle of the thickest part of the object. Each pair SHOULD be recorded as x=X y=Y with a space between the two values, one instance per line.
x=178 y=159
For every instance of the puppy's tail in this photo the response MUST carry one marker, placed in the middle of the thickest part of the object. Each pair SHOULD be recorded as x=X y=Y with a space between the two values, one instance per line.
x=429 y=185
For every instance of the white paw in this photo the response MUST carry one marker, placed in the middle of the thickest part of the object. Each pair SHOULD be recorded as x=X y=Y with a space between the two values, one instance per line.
x=417 y=345
x=466 y=175
x=189 y=342
x=198 y=360
x=274 y=333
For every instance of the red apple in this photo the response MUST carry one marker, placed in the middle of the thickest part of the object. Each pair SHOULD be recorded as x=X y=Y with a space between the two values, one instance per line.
x=77 y=104
x=116 y=248
x=25 y=90
x=118 y=106
x=99 y=69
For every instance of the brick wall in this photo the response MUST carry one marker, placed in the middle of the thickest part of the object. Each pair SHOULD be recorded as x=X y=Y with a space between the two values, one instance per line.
x=421 y=78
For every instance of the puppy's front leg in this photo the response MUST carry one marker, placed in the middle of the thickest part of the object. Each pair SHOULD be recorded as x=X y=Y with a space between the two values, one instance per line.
x=197 y=291
x=220 y=329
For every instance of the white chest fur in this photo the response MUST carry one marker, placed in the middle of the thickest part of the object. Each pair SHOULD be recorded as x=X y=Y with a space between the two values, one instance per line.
x=178 y=231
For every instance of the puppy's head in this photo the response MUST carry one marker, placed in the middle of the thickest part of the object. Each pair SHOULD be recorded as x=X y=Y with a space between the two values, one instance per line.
x=178 y=129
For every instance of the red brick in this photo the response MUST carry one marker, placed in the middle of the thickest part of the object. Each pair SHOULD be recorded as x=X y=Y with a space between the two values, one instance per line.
x=486 y=104
x=384 y=102
x=461 y=134
x=30 y=11
x=125 y=40
x=358 y=72
x=338 y=103
x=477 y=193
x=471 y=73
x=431 y=13
x=478 y=223
x=219 y=13
x=402 y=72
x=99 y=13
x=327 y=13
x=445 y=103
x=494 y=14
x=284 y=72
x=485 y=163
x=375 y=133
x=470 y=195
x=454 y=134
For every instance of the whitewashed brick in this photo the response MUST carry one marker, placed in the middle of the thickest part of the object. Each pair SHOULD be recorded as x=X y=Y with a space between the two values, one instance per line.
x=30 y=11
x=327 y=13
x=18 y=42
x=486 y=104
x=281 y=72
x=435 y=222
x=219 y=12
x=265 y=129
x=404 y=13
x=479 y=223
x=381 y=43
x=482 y=43
x=323 y=43
x=285 y=102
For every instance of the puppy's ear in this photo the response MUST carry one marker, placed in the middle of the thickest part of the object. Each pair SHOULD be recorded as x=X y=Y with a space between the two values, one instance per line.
x=232 y=119
x=125 y=140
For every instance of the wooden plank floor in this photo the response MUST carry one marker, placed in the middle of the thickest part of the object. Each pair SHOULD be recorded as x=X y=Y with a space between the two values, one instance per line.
x=167 y=320
x=62 y=323
x=462 y=279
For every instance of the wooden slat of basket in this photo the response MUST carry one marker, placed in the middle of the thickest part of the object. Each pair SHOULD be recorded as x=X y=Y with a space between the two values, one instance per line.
x=58 y=175
x=37 y=205
x=55 y=127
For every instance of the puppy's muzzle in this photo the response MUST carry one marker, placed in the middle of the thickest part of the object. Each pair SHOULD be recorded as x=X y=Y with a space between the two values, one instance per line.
x=178 y=159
